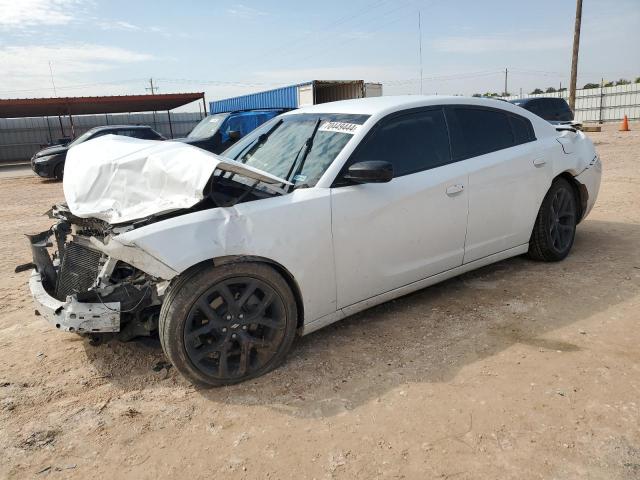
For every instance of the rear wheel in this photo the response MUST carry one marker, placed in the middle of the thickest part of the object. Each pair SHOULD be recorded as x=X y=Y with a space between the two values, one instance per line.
x=555 y=227
x=223 y=325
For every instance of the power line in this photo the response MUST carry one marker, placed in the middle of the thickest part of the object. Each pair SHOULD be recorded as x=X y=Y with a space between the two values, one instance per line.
x=326 y=51
x=297 y=42
x=67 y=87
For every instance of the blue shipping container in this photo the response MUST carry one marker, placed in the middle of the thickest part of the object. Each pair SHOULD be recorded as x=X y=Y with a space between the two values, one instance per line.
x=285 y=97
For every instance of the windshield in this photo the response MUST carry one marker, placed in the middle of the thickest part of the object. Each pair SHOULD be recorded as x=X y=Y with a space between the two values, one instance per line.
x=279 y=146
x=85 y=136
x=208 y=126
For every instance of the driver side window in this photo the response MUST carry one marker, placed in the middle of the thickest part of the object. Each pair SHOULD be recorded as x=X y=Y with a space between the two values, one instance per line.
x=411 y=142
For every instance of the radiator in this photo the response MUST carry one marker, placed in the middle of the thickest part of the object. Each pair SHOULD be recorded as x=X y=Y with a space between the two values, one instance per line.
x=79 y=269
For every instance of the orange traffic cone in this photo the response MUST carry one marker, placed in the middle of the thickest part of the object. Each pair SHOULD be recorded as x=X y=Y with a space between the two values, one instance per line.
x=624 y=127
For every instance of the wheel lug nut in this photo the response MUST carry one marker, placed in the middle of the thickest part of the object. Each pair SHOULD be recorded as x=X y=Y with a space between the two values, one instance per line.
x=229 y=317
x=224 y=330
x=233 y=336
x=244 y=327
x=241 y=316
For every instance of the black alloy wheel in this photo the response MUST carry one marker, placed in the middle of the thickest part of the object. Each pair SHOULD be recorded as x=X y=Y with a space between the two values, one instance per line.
x=223 y=325
x=555 y=228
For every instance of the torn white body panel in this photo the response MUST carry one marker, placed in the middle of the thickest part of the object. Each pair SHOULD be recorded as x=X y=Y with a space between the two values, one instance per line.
x=119 y=179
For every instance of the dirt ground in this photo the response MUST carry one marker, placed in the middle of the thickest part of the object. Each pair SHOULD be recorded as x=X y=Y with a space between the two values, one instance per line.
x=518 y=370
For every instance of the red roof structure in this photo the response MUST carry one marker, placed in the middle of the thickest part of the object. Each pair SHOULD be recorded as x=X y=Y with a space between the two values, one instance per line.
x=43 y=107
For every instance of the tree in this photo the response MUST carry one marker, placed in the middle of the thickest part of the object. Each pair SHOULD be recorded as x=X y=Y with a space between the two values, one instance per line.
x=608 y=84
x=623 y=81
x=590 y=85
x=637 y=80
x=550 y=90
x=563 y=89
x=477 y=95
x=536 y=91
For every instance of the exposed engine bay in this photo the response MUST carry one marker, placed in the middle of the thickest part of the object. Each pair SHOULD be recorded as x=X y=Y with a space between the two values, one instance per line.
x=79 y=287
x=90 y=292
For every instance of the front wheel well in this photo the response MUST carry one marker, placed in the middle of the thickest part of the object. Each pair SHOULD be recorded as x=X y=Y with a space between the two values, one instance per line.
x=286 y=274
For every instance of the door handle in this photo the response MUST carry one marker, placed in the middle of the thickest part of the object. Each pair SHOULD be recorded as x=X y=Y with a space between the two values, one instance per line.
x=540 y=161
x=454 y=189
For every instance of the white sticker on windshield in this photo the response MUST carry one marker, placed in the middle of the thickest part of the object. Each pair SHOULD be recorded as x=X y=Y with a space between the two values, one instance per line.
x=340 y=127
x=214 y=120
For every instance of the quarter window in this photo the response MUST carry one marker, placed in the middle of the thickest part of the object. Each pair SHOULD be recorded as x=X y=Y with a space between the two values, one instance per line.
x=477 y=131
x=411 y=143
x=522 y=129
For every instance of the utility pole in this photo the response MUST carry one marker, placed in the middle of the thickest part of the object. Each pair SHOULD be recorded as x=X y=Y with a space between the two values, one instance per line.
x=153 y=91
x=574 y=56
x=151 y=87
x=420 y=47
x=506 y=74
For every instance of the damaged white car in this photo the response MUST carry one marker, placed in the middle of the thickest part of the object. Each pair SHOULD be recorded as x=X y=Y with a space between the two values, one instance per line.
x=318 y=214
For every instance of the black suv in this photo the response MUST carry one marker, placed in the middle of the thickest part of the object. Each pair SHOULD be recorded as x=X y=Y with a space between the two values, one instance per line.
x=553 y=110
x=49 y=162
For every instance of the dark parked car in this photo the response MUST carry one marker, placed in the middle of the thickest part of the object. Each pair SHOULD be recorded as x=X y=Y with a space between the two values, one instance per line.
x=553 y=110
x=218 y=132
x=49 y=162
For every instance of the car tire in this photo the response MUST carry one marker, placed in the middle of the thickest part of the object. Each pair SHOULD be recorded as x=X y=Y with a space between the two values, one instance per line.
x=58 y=171
x=216 y=331
x=555 y=227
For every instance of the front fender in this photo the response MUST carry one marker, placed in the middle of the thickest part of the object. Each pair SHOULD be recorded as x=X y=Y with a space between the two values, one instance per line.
x=292 y=230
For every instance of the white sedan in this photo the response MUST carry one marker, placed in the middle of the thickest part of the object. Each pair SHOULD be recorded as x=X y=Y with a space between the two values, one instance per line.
x=318 y=214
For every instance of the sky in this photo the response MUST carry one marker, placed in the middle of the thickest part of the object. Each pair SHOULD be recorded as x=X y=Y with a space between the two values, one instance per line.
x=94 y=47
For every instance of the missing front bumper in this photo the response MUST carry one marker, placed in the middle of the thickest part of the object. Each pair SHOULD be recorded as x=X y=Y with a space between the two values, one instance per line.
x=71 y=315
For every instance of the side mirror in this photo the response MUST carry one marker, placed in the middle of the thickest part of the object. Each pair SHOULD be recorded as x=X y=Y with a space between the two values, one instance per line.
x=372 y=171
x=234 y=135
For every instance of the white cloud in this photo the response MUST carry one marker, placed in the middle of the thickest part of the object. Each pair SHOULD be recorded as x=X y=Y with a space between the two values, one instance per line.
x=27 y=67
x=356 y=72
x=119 y=25
x=20 y=14
x=501 y=43
x=242 y=11
x=82 y=58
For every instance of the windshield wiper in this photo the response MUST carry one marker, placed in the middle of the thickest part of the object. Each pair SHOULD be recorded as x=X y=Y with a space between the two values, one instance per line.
x=306 y=148
x=257 y=142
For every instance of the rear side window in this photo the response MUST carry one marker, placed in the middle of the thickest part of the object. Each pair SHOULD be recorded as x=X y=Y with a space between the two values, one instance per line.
x=477 y=131
x=146 y=134
x=522 y=129
x=126 y=133
x=411 y=143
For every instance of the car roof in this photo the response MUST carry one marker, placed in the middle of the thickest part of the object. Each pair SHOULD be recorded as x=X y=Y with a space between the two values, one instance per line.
x=380 y=106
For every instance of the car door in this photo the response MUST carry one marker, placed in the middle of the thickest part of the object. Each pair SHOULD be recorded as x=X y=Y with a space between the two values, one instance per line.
x=508 y=176
x=388 y=235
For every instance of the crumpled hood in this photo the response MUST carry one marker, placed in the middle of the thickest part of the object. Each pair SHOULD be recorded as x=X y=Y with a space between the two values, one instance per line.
x=120 y=179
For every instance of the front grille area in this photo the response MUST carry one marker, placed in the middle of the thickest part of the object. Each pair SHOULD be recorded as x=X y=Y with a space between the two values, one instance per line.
x=79 y=269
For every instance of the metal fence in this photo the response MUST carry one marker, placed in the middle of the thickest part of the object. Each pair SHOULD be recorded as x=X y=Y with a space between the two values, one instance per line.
x=20 y=138
x=601 y=104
